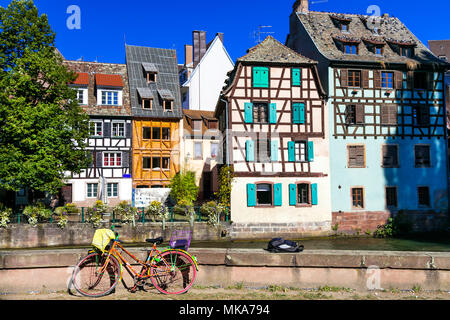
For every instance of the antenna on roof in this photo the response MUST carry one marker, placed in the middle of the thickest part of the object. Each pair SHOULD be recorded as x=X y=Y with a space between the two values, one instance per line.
x=257 y=34
x=80 y=58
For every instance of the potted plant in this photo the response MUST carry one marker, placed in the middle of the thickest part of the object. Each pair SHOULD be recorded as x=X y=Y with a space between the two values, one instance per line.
x=37 y=212
x=127 y=212
x=157 y=211
x=5 y=213
x=213 y=211
x=95 y=213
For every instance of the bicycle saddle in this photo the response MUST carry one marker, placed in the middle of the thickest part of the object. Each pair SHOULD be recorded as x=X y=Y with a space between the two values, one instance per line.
x=156 y=241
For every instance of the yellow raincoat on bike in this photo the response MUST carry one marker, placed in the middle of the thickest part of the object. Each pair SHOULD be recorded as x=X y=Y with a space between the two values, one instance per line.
x=102 y=237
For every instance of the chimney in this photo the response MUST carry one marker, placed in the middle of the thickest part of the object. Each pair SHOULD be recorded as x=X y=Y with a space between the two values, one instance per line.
x=188 y=59
x=199 y=42
x=301 y=6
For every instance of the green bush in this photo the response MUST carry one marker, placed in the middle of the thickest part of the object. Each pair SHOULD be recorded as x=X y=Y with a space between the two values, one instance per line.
x=5 y=214
x=37 y=212
x=396 y=226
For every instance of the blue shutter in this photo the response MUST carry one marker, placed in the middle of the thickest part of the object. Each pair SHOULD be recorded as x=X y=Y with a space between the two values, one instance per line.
x=298 y=111
x=251 y=195
x=310 y=151
x=273 y=113
x=260 y=77
x=296 y=77
x=292 y=194
x=278 y=195
x=250 y=150
x=302 y=113
x=314 y=195
x=291 y=149
x=249 y=113
x=274 y=150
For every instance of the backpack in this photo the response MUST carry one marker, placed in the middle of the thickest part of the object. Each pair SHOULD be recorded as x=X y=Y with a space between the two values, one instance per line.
x=279 y=245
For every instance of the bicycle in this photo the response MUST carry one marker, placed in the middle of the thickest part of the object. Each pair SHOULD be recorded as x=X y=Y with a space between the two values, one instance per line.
x=171 y=271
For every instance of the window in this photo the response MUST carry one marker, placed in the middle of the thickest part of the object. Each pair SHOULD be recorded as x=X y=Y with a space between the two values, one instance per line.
x=197 y=125
x=422 y=156
x=198 y=150
x=92 y=190
x=112 y=159
x=166 y=163
x=391 y=197
x=118 y=129
x=303 y=194
x=151 y=77
x=387 y=80
x=147 y=163
x=260 y=77
x=167 y=105
x=421 y=115
x=156 y=163
x=420 y=80
x=82 y=96
x=423 y=194
x=147 y=133
x=214 y=149
x=358 y=198
x=156 y=133
x=113 y=190
x=354 y=79
x=406 y=52
x=110 y=98
x=344 y=27
x=260 y=112
x=351 y=49
x=96 y=129
x=263 y=152
x=379 y=51
x=301 y=149
x=390 y=156
x=356 y=157
x=166 y=133
x=389 y=115
x=264 y=194
x=354 y=114
x=147 y=104
x=212 y=124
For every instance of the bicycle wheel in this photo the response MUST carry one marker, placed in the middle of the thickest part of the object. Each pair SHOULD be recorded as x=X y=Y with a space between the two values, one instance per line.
x=93 y=278
x=173 y=272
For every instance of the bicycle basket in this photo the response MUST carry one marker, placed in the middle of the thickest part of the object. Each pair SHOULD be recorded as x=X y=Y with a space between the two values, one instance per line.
x=181 y=239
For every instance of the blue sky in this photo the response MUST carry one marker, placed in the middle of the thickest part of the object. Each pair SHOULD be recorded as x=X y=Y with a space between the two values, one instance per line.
x=169 y=24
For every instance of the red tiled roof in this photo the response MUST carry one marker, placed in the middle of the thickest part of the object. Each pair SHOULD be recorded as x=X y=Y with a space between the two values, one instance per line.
x=83 y=79
x=108 y=80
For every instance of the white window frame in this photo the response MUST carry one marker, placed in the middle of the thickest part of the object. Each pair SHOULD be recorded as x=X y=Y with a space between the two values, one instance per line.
x=100 y=97
x=84 y=91
x=201 y=150
x=124 y=129
x=90 y=189
x=95 y=123
x=110 y=189
x=115 y=160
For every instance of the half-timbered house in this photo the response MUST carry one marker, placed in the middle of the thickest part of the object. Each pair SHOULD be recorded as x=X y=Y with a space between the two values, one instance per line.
x=387 y=115
x=157 y=115
x=272 y=116
x=102 y=91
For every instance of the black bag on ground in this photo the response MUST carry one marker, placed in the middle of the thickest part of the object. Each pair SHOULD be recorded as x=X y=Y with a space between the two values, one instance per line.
x=279 y=245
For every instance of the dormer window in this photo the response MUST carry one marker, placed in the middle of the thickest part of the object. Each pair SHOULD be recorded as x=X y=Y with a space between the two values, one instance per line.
x=109 y=89
x=147 y=104
x=168 y=105
x=150 y=71
x=347 y=44
x=379 y=51
x=197 y=125
x=406 y=51
x=212 y=124
x=351 y=48
x=345 y=27
x=167 y=99
x=146 y=96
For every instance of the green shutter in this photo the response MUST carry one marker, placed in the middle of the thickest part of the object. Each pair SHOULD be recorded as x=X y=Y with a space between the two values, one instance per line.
x=298 y=110
x=310 y=151
x=251 y=195
x=273 y=113
x=314 y=195
x=260 y=77
x=250 y=150
x=292 y=194
x=278 y=195
x=291 y=149
x=274 y=150
x=249 y=113
x=296 y=77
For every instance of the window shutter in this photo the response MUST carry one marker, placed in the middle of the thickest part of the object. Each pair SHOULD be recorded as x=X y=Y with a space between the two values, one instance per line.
x=365 y=76
x=260 y=77
x=90 y=155
x=296 y=77
x=344 y=78
x=249 y=113
x=356 y=157
x=291 y=150
x=274 y=150
x=98 y=159
x=273 y=113
x=251 y=195
x=125 y=159
x=278 y=195
x=128 y=128
x=360 y=115
x=107 y=129
x=250 y=150
x=292 y=194
x=377 y=79
x=314 y=195
x=410 y=79
x=310 y=151
x=299 y=113
x=398 y=80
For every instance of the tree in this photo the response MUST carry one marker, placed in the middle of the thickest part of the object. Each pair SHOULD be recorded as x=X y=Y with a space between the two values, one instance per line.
x=226 y=176
x=184 y=188
x=42 y=127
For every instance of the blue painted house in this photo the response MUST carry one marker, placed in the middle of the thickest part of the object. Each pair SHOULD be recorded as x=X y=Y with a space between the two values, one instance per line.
x=387 y=122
